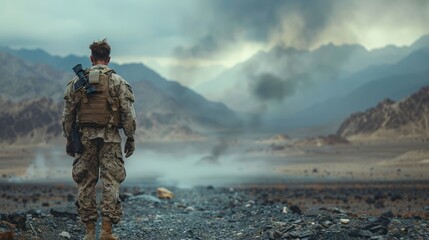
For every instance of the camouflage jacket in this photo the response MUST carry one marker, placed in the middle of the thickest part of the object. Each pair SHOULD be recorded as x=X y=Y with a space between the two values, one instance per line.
x=117 y=87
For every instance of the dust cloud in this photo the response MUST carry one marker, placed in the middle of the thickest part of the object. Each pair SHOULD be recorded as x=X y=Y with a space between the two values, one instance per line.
x=220 y=162
x=222 y=166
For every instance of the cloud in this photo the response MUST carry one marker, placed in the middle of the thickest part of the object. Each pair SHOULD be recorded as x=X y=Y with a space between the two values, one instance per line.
x=134 y=28
x=229 y=22
x=222 y=25
x=211 y=31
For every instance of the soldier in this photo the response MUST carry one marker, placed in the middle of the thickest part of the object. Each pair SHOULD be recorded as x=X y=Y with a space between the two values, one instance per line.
x=99 y=115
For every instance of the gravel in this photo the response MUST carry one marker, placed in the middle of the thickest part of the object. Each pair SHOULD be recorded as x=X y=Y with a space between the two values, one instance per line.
x=222 y=213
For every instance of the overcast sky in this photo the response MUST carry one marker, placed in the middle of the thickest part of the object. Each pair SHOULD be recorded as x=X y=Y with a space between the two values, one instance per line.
x=206 y=33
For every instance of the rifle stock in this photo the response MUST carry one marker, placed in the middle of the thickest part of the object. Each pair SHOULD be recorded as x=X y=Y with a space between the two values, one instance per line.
x=82 y=82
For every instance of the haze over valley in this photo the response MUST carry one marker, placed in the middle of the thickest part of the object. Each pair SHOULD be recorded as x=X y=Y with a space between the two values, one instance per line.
x=259 y=119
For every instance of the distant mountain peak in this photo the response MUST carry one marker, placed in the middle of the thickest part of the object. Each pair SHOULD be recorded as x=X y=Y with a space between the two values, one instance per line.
x=331 y=46
x=287 y=50
x=422 y=42
x=387 y=102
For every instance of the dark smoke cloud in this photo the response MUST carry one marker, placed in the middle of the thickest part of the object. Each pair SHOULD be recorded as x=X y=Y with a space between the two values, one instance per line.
x=204 y=48
x=226 y=22
x=269 y=87
x=223 y=23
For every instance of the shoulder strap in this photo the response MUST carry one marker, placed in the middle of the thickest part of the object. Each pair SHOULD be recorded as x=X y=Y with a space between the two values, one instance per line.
x=107 y=71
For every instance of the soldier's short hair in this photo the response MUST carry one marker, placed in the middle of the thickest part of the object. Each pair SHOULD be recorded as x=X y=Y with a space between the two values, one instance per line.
x=100 y=50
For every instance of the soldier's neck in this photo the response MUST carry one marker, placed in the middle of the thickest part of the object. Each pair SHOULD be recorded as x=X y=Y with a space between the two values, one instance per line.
x=99 y=63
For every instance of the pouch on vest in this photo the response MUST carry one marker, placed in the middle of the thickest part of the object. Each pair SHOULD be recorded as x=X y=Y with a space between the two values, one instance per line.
x=94 y=77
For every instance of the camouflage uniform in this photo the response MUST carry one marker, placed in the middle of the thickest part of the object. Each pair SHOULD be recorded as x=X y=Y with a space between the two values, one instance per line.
x=102 y=155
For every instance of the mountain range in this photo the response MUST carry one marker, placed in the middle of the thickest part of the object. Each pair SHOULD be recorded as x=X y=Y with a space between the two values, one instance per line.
x=165 y=109
x=289 y=89
x=157 y=93
x=281 y=90
x=395 y=81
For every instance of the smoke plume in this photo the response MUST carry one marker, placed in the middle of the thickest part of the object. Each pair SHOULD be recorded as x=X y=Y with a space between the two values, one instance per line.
x=216 y=152
x=269 y=87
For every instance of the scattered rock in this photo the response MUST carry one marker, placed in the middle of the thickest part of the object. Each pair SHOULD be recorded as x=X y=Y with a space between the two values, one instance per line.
x=35 y=212
x=126 y=195
x=65 y=235
x=189 y=209
x=280 y=224
x=338 y=210
x=359 y=233
x=274 y=235
x=295 y=209
x=300 y=234
x=378 y=226
x=285 y=210
x=164 y=193
x=344 y=220
x=326 y=224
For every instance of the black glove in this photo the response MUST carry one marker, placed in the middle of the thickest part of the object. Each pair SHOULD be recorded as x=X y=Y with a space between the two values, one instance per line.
x=70 y=147
x=129 y=147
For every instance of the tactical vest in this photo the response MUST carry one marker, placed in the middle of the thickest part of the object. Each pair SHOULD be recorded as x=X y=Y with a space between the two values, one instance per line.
x=98 y=109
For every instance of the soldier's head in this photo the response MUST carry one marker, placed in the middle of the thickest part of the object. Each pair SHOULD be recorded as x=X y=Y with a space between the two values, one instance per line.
x=100 y=52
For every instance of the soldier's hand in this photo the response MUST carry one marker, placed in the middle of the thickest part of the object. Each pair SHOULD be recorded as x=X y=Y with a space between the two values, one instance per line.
x=69 y=147
x=129 y=147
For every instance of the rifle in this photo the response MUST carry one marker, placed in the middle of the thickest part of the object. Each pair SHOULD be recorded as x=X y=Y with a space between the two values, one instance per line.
x=82 y=82
x=76 y=143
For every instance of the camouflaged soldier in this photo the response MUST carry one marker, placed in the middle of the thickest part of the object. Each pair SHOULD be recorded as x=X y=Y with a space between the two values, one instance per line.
x=99 y=116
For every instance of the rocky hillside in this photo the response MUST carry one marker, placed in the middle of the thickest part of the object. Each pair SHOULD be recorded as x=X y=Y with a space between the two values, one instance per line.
x=406 y=118
x=22 y=79
x=30 y=121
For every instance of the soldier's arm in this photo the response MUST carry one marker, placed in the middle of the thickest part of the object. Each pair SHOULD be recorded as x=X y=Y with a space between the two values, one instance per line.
x=127 y=111
x=69 y=111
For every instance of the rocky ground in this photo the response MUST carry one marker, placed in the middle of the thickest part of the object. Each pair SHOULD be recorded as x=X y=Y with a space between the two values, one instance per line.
x=286 y=211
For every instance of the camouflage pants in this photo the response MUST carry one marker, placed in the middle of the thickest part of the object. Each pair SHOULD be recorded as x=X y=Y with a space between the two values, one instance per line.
x=99 y=160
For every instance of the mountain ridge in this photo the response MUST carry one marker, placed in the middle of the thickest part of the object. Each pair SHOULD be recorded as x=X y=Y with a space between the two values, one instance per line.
x=390 y=119
x=156 y=97
x=391 y=81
